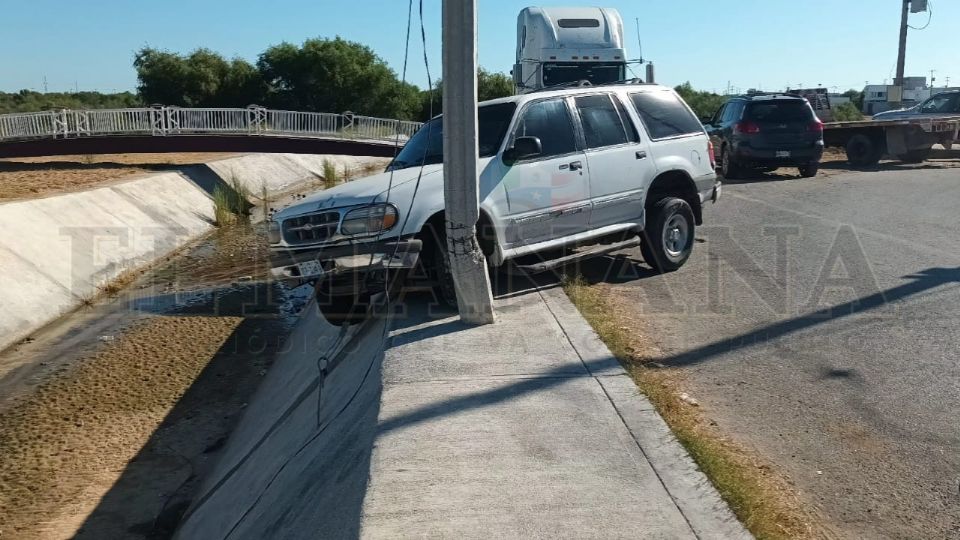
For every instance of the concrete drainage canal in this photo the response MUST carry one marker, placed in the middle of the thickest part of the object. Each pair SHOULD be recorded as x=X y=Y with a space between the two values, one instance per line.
x=185 y=390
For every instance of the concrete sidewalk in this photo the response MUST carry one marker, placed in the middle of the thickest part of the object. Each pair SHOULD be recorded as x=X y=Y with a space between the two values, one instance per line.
x=526 y=428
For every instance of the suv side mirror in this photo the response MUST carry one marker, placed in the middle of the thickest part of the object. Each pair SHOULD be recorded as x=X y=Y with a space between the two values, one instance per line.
x=523 y=147
x=706 y=120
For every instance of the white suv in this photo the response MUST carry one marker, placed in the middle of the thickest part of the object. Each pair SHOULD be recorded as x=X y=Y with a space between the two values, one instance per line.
x=607 y=166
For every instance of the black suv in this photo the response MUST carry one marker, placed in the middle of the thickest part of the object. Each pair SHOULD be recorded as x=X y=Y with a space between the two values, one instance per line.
x=764 y=132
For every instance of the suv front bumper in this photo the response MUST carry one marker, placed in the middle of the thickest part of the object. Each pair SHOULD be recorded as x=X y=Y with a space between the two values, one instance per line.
x=318 y=262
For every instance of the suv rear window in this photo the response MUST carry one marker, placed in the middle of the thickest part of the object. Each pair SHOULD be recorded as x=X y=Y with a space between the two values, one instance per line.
x=601 y=121
x=779 y=111
x=665 y=115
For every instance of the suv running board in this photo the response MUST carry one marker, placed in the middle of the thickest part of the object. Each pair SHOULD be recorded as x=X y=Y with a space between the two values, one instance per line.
x=600 y=249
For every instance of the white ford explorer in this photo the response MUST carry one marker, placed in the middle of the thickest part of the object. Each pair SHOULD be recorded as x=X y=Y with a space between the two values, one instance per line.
x=594 y=168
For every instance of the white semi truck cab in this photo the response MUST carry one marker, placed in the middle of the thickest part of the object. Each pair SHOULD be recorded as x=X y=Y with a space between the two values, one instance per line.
x=564 y=45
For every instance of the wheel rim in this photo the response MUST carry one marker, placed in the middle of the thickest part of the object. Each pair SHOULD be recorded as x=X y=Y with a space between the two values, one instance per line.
x=676 y=236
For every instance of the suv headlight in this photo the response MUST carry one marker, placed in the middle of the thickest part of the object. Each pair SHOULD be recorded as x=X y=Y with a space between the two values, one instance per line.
x=369 y=219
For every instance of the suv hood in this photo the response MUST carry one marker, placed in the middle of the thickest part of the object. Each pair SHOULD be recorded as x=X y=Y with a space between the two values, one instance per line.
x=364 y=190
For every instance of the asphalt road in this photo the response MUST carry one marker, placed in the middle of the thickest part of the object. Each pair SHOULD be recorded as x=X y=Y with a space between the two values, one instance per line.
x=818 y=323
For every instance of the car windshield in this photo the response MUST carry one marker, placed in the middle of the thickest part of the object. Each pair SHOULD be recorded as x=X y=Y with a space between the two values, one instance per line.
x=426 y=145
x=941 y=104
x=779 y=111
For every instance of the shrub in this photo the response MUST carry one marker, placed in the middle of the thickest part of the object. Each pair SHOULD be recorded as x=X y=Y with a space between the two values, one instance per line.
x=230 y=202
x=847 y=112
x=330 y=175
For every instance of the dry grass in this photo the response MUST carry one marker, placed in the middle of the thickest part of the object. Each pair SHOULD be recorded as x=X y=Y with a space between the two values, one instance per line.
x=330 y=175
x=761 y=499
x=76 y=433
x=231 y=202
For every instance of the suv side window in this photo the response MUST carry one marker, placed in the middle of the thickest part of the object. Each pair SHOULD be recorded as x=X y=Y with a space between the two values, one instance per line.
x=550 y=122
x=665 y=115
x=632 y=133
x=602 y=125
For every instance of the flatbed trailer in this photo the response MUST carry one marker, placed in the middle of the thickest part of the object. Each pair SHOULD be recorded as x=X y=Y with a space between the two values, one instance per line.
x=909 y=140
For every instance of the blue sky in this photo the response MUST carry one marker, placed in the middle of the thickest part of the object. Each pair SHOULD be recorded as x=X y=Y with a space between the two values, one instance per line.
x=750 y=43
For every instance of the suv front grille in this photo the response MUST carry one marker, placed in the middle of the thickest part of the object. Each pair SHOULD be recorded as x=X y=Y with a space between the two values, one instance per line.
x=310 y=228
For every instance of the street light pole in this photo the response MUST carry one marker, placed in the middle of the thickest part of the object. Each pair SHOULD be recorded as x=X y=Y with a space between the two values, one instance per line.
x=460 y=153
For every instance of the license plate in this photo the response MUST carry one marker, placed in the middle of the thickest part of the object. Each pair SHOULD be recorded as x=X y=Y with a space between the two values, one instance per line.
x=783 y=153
x=310 y=269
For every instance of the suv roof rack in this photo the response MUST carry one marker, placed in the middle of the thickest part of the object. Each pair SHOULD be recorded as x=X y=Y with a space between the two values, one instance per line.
x=572 y=84
x=635 y=80
x=758 y=93
x=582 y=83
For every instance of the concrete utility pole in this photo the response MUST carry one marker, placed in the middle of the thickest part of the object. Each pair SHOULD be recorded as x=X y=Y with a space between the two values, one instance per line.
x=901 y=55
x=460 y=154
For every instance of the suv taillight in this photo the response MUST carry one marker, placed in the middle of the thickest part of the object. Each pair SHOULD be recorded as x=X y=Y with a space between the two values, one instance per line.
x=816 y=126
x=710 y=152
x=746 y=127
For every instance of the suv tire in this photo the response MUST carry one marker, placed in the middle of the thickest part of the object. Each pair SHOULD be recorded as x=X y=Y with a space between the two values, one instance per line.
x=809 y=170
x=668 y=240
x=436 y=264
x=729 y=169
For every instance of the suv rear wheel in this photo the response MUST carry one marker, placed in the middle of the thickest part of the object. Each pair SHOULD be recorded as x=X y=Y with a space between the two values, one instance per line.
x=668 y=240
x=809 y=170
x=728 y=168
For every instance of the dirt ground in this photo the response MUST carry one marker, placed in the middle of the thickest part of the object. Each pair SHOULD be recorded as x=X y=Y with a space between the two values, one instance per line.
x=111 y=441
x=22 y=178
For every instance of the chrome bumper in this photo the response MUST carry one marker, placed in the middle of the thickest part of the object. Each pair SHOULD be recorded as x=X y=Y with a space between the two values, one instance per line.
x=314 y=263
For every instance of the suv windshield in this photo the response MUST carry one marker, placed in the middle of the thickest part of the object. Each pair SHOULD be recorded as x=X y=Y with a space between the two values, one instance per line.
x=426 y=145
x=554 y=74
x=793 y=110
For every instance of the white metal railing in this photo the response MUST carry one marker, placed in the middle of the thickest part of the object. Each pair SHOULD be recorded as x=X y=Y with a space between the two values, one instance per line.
x=165 y=121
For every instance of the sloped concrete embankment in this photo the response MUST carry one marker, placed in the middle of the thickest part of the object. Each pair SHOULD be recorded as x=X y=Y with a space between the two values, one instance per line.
x=312 y=425
x=58 y=252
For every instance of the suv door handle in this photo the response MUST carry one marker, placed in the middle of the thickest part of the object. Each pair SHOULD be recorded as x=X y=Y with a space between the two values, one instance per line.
x=576 y=166
x=641 y=154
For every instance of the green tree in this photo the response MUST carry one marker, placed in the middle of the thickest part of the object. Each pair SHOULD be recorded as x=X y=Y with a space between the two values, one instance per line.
x=493 y=85
x=201 y=79
x=331 y=75
x=30 y=101
x=490 y=85
x=704 y=104
x=856 y=97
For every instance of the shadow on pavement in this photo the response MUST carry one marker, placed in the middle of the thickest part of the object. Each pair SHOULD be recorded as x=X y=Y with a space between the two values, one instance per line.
x=920 y=282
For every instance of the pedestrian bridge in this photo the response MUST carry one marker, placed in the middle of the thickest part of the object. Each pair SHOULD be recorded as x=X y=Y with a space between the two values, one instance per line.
x=176 y=129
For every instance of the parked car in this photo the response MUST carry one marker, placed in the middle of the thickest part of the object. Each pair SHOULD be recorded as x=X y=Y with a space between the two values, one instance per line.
x=765 y=132
x=589 y=167
x=942 y=104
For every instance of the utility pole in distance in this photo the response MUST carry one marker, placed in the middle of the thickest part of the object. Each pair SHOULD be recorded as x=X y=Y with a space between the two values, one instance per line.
x=901 y=56
x=460 y=153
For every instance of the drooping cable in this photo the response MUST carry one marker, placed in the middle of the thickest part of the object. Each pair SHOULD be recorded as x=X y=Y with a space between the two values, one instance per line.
x=322 y=362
